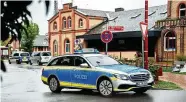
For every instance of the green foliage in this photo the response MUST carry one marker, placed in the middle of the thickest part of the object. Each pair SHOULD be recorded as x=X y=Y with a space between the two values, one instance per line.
x=181 y=58
x=13 y=15
x=166 y=85
x=28 y=39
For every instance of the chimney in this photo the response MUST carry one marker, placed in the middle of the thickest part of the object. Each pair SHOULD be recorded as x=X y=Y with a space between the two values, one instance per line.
x=119 y=9
x=67 y=6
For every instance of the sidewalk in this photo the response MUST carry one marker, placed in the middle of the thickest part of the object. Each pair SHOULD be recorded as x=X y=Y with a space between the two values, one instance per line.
x=178 y=79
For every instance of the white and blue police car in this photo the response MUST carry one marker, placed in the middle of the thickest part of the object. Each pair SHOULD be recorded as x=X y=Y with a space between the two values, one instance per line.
x=87 y=69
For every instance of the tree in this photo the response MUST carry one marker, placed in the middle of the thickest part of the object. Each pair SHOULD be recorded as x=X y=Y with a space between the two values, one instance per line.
x=13 y=14
x=27 y=40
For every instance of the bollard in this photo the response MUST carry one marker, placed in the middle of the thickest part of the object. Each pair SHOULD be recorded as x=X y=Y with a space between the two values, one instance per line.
x=160 y=71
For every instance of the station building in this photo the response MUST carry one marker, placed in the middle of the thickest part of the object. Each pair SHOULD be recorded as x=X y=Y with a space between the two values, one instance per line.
x=166 y=30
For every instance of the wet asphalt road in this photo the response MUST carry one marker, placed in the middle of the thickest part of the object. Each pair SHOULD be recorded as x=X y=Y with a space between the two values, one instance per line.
x=22 y=84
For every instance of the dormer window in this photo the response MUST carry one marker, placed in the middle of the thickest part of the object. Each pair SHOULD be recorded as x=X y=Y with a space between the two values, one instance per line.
x=182 y=10
x=80 y=23
x=64 y=23
x=69 y=22
x=55 y=26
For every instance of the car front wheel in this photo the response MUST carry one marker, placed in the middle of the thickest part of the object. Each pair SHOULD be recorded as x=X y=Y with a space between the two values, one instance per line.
x=54 y=85
x=106 y=88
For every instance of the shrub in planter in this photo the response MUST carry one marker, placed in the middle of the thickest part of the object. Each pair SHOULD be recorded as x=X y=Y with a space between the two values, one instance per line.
x=154 y=70
x=181 y=58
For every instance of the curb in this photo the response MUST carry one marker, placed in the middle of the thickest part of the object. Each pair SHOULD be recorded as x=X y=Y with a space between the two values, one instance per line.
x=165 y=89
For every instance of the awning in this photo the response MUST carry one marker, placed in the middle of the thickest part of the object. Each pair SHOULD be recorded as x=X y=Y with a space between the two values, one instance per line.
x=154 y=33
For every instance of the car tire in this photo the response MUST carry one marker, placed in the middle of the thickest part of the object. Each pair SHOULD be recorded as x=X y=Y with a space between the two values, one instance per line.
x=18 y=62
x=9 y=61
x=30 y=62
x=140 y=90
x=39 y=63
x=105 y=88
x=54 y=85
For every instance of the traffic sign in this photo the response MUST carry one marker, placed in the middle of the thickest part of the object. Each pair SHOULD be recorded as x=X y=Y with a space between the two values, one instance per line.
x=77 y=41
x=116 y=28
x=106 y=36
x=143 y=27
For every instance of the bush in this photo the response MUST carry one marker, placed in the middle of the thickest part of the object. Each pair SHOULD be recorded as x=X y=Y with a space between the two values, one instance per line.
x=181 y=58
x=153 y=69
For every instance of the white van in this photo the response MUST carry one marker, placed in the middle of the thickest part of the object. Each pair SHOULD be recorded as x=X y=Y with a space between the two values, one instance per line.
x=40 y=57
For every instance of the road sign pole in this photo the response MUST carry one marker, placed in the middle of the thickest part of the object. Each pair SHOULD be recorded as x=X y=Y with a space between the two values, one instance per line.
x=142 y=52
x=106 y=48
x=146 y=37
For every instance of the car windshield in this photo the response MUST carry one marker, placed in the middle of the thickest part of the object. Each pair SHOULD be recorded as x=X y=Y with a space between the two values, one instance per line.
x=24 y=54
x=46 y=54
x=101 y=60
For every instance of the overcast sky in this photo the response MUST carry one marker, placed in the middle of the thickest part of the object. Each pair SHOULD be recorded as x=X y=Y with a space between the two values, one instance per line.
x=39 y=17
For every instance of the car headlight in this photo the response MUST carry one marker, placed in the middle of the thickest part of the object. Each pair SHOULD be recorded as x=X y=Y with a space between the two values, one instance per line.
x=121 y=76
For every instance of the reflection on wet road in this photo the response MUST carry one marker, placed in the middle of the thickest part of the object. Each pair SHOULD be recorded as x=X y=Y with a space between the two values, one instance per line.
x=22 y=84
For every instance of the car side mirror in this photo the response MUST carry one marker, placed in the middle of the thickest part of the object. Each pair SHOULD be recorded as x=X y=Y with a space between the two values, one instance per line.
x=84 y=65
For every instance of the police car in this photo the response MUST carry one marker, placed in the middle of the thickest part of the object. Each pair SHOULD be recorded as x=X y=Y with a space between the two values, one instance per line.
x=87 y=69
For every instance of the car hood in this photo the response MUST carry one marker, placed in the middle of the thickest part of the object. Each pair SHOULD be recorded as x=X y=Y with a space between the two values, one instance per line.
x=124 y=68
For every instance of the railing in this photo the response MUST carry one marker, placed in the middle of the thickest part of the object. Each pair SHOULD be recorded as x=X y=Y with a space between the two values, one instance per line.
x=170 y=22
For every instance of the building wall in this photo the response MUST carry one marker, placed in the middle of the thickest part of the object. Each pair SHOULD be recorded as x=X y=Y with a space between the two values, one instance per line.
x=60 y=35
x=94 y=22
x=174 y=4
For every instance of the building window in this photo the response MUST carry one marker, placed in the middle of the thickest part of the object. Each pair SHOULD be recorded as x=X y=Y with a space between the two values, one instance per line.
x=67 y=46
x=169 y=42
x=80 y=22
x=69 y=22
x=182 y=10
x=55 y=26
x=55 y=49
x=64 y=23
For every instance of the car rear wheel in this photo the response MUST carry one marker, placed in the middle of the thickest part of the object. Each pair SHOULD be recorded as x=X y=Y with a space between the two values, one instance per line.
x=18 y=62
x=39 y=63
x=30 y=62
x=105 y=88
x=54 y=85
x=141 y=90
x=9 y=61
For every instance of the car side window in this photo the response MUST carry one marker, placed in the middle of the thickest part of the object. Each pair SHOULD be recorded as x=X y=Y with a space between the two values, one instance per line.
x=16 y=54
x=79 y=60
x=62 y=61
x=37 y=54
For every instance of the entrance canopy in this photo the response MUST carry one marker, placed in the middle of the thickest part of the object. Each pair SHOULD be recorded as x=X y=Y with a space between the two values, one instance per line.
x=132 y=34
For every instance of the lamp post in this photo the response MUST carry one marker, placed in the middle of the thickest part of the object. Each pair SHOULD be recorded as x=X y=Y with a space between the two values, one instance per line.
x=146 y=37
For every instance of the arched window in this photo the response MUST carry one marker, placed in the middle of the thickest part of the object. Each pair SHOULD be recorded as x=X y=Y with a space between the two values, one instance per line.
x=67 y=46
x=55 y=48
x=69 y=22
x=182 y=10
x=64 y=23
x=80 y=22
x=55 y=26
x=169 y=42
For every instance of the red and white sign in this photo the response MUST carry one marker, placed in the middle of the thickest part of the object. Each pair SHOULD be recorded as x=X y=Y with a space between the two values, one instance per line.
x=116 y=28
x=143 y=27
x=106 y=36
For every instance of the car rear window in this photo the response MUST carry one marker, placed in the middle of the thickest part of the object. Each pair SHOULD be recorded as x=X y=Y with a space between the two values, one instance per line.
x=24 y=54
x=46 y=54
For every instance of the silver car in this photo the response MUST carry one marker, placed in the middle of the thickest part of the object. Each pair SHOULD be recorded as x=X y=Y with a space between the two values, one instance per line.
x=40 y=57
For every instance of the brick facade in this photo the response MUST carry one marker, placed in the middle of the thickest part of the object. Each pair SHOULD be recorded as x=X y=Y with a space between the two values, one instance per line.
x=62 y=34
x=175 y=25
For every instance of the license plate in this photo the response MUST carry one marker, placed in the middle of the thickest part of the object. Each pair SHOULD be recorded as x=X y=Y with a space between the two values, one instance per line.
x=141 y=84
x=46 y=57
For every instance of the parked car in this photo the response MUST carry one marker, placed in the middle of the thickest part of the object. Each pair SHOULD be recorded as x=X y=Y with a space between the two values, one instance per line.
x=40 y=57
x=19 y=57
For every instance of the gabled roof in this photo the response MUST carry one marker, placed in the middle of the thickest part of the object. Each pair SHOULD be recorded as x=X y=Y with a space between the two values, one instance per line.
x=90 y=12
x=40 y=41
x=130 y=19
